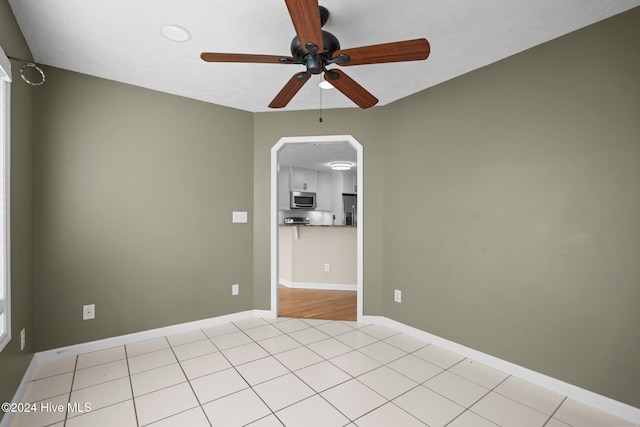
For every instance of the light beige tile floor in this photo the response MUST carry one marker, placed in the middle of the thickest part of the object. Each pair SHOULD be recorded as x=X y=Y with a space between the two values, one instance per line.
x=291 y=372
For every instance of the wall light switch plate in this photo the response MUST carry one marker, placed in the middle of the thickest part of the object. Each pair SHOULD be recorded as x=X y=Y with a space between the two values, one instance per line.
x=23 y=339
x=239 y=217
x=235 y=289
x=88 y=312
x=397 y=295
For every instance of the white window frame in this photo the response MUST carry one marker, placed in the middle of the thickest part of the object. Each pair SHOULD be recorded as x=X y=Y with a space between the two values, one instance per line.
x=5 y=247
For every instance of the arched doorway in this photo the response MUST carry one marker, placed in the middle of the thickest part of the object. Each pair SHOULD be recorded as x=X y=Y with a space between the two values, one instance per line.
x=316 y=140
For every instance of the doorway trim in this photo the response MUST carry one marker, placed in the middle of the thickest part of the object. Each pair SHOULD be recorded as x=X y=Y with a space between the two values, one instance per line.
x=275 y=274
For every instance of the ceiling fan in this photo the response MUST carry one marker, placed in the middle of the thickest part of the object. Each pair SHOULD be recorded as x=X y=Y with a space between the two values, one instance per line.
x=316 y=49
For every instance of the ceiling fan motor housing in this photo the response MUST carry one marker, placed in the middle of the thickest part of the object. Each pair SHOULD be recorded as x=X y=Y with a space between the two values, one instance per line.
x=315 y=61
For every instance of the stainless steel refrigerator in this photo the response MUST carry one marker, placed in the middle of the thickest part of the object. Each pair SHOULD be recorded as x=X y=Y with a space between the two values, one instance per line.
x=350 y=207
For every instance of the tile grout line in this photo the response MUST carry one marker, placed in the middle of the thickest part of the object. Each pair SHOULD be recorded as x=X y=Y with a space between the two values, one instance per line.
x=379 y=340
x=554 y=411
x=391 y=401
x=440 y=373
x=169 y=386
x=73 y=378
x=241 y=376
x=133 y=396
x=418 y=384
x=288 y=369
x=468 y=409
x=188 y=381
x=526 y=405
x=75 y=370
x=352 y=377
x=315 y=393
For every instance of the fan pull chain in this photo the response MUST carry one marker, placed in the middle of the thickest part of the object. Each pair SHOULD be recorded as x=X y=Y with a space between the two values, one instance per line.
x=320 y=119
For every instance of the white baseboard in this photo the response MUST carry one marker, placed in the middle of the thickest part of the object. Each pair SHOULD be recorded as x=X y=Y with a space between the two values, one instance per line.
x=598 y=401
x=266 y=314
x=73 y=350
x=321 y=286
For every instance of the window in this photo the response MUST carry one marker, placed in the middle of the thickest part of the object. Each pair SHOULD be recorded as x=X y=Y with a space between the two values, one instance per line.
x=5 y=314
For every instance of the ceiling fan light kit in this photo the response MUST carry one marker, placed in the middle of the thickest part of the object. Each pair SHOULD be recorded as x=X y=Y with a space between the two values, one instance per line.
x=325 y=85
x=317 y=49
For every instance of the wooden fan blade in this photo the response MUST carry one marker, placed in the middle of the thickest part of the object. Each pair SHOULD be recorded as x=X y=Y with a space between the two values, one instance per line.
x=290 y=89
x=350 y=88
x=409 y=50
x=305 y=15
x=241 y=57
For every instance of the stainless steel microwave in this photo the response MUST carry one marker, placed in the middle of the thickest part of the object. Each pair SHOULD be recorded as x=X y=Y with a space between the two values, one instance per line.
x=303 y=200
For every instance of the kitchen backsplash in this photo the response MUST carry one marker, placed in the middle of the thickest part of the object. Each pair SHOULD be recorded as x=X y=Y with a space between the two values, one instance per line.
x=315 y=217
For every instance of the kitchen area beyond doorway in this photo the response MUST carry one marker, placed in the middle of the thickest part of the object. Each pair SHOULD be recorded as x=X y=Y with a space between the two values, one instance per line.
x=317 y=189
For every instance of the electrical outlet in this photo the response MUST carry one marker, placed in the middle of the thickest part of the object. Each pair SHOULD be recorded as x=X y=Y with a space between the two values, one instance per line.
x=88 y=312
x=235 y=289
x=327 y=267
x=23 y=339
x=397 y=295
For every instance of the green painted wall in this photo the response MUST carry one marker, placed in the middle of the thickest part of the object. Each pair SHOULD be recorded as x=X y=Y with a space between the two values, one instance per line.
x=14 y=362
x=134 y=195
x=525 y=177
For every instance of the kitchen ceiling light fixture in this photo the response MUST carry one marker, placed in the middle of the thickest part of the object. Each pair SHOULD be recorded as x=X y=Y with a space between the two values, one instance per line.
x=176 y=33
x=340 y=166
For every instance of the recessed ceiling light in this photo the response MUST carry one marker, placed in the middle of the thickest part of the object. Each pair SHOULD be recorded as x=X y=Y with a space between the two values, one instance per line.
x=176 y=33
x=340 y=166
x=325 y=85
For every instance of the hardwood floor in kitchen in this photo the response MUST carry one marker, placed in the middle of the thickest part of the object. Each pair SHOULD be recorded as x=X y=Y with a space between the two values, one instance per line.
x=317 y=304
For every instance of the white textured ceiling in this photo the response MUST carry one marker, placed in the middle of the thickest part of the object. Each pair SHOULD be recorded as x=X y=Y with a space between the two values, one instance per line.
x=121 y=40
x=317 y=156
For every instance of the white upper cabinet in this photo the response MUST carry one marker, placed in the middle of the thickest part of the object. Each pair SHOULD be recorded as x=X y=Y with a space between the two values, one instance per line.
x=349 y=182
x=323 y=193
x=284 y=202
x=304 y=180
